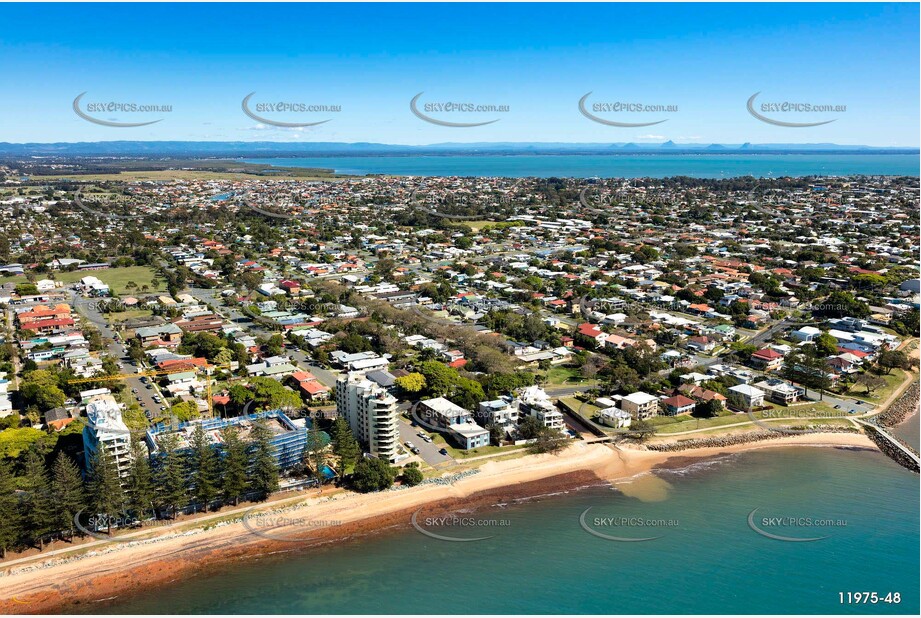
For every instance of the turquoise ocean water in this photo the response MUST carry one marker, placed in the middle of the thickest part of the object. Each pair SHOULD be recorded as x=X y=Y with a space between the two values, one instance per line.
x=620 y=166
x=707 y=559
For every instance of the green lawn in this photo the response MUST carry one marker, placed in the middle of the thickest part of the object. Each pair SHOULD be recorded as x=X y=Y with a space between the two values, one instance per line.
x=118 y=278
x=566 y=376
x=458 y=453
x=577 y=406
x=673 y=424
x=893 y=381
x=129 y=314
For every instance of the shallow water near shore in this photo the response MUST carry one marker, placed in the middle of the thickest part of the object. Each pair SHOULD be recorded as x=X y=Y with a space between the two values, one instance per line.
x=706 y=559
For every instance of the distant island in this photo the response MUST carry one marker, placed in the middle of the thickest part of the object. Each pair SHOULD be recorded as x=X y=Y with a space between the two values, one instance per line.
x=283 y=149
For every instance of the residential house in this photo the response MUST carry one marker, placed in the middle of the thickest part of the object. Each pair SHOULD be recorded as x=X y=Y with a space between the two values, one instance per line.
x=677 y=404
x=767 y=359
x=746 y=397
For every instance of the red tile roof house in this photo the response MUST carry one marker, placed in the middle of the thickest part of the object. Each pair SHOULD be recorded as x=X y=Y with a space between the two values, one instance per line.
x=293 y=287
x=48 y=326
x=678 y=404
x=308 y=385
x=701 y=343
x=593 y=332
x=699 y=393
x=767 y=359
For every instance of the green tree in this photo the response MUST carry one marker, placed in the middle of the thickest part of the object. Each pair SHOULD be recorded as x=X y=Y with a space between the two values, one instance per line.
x=345 y=446
x=38 y=504
x=139 y=486
x=204 y=463
x=69 y=494
x=315 y=451
x=839 y=304
x=40 y=388
x=185 y=411
x=805 y=367
x=233 y=480
x=826 y=345
x=893 y=359
x=439 y=378
x=641 y=429
x=264 y=476
x=468 y=393
x=412 y=383
x=106 y=496
x=412 y=474
x=10 y=514
x=170 y=476
x=870 y=381
x=372 y=474
x=548 y=440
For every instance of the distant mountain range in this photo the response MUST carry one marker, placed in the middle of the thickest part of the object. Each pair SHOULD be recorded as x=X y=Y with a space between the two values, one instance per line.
x=317 y=149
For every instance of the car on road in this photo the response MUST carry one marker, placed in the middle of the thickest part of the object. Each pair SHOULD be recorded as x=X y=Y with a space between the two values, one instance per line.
x=838 y=407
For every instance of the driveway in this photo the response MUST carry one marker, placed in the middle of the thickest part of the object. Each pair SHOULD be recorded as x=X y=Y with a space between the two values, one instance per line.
x=428 y=451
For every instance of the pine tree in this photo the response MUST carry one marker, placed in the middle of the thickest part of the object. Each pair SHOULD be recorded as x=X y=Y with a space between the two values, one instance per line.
x=345 y=445
x=204 y=462
x=233 y=483
x=172 y=486
x=10 y=514
x=39 y=507
x=315 y=451
x=105 y=489
x=264 y=478
x=139 y=486
x=69 y=493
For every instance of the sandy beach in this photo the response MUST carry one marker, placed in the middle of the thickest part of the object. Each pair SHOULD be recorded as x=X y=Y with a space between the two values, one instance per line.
x=55 y=584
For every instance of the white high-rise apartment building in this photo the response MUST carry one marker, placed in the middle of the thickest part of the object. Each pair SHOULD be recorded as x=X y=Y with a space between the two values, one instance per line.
x=106 y=427
x=371 y=413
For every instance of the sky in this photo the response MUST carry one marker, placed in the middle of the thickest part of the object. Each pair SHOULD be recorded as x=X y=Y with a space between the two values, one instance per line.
x=701 y=62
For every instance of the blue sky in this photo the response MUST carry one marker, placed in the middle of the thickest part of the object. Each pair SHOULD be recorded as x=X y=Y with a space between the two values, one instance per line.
x=538 y=59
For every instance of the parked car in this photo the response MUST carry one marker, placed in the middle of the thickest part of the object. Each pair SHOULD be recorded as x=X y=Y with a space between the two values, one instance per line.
x=415 y=450
x=409 y=445
x=443 y=451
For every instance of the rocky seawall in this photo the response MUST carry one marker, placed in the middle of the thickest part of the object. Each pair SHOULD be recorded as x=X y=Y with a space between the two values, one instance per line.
x=892 y=451
x=902 y=407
